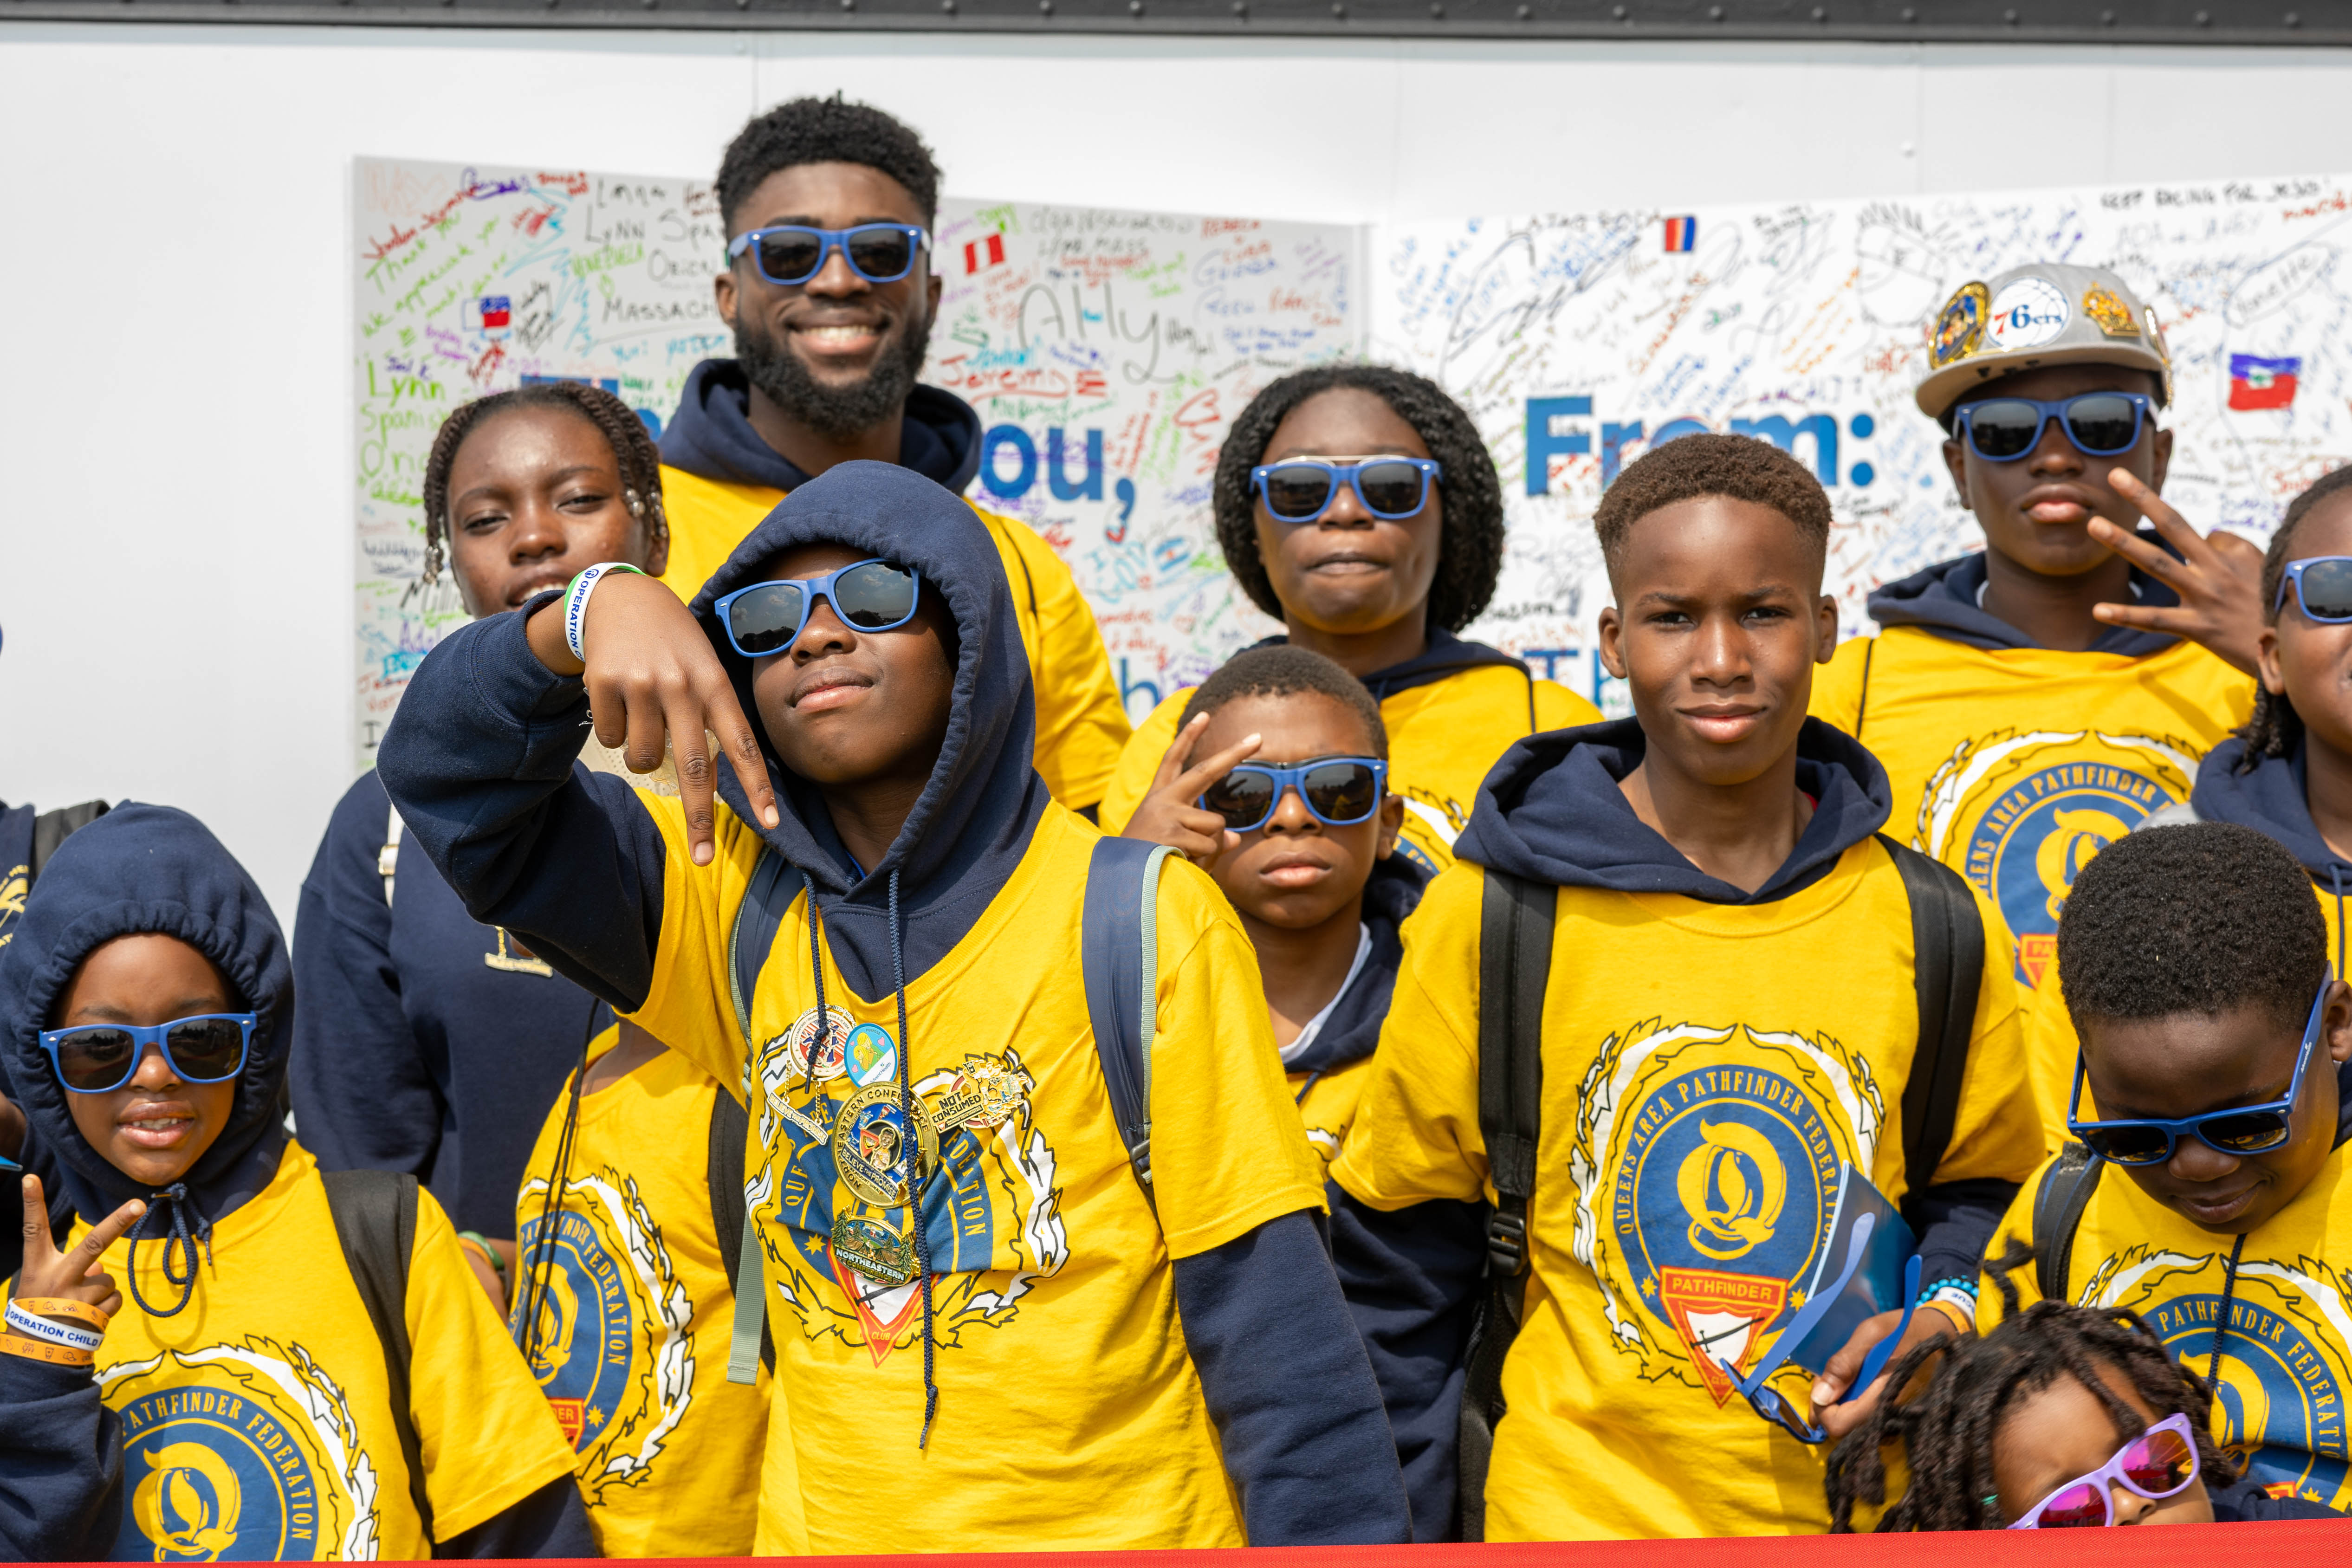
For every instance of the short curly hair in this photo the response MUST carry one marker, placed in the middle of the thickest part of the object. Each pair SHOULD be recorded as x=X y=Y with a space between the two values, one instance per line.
x=1286 y=669
x=1470 y=496
x=1740 y=467
x=826 y=130
x=2275 y=729
x=2202 y=917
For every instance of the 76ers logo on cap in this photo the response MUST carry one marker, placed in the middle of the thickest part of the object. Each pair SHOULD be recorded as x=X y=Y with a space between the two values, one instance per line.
x=2028 y=314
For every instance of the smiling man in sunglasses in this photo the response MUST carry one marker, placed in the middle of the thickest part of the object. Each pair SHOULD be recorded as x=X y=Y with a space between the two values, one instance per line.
x=2214 y=1043
x=828 y=286
x=2034 y=701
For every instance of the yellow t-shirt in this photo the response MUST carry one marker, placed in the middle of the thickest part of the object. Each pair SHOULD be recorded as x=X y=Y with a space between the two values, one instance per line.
x=257 y=1423
x=637 y=1315
x=2014 y=766
x=1326 y=1104
x=2051 y=1045
x=1081 y=723
x=1708 y=1071
x=2286 y=1361
x=1443 y=738
x=1069 y=1411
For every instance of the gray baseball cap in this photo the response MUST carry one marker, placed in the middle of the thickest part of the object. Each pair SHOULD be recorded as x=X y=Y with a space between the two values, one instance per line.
x=2043 y=313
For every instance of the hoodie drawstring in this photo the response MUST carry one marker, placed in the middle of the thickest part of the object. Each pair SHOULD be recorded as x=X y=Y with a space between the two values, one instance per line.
x=180 y=1245
x=2335 y=882
x=2222 y=1329
x=915 y=1172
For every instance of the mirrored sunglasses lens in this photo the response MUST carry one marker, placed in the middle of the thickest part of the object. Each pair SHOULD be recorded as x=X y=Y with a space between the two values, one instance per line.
x=2248 y=1134
x=1298 y=491
x=207 y=1047
x=2004 y=426
x=2102 y=424
x=1341 y=793
x=2327 y=590
x=2129 y=1145
x=790 y=257
x=1390 y=489
x=1241 y=799
x=2078 y=1507
x=882 y=256
x=95 y=1058
x=766 y=619
x=874 y=596
x=2158 y=1464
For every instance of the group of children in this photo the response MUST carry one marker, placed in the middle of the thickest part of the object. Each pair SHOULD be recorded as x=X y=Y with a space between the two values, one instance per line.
x=779 y=1068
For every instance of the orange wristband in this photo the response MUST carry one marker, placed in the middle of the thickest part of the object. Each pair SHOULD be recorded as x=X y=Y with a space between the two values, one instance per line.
x=1951 y=1309
x=34 y=1350
x=61 y=1306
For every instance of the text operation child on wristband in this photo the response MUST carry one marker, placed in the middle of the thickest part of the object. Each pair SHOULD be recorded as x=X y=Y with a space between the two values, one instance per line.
x=576 y=601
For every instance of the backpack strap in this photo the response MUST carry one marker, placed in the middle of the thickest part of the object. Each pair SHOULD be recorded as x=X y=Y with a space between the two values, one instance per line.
x=52 y=828
x=1861 y=703
x=1947 y=944
x=757 y=920
x=375 y=1222
x=1515 y=932
x=1120 y=948
x=387 y=859
x=2058 y=1204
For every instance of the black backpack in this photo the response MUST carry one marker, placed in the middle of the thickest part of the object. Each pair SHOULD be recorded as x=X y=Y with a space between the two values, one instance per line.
x=1515 y=930
x=375 y=1221
x=1119 y=953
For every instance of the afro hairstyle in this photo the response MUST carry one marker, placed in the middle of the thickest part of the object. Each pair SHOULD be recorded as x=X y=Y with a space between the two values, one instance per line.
x=1470 y=495
x=1284 y=669
x=1739 y=467
x=2202 y=917
x=826 y=130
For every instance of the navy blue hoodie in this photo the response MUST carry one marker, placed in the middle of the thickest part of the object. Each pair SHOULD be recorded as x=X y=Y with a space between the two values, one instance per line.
x=479 y=760
x=424 y=1042
x=1353 y=1030
x=711 y=434
x=1551 y=811
x=150 y=868
x=1946 y=599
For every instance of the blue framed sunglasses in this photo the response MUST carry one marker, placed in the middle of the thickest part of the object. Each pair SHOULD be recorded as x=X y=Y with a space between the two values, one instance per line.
x=2239 y=1130
x=94 y=1058
x=1339 y=792
x=789 y=254
x=1303 y=488
x=869 y=595
x=2100 y=424
x=2322 y=585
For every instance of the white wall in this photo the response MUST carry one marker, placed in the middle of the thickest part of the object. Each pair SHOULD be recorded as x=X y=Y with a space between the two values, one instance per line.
x=176 y=438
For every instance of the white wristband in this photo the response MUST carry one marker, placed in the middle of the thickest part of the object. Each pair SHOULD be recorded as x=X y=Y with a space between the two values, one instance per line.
x=576 y=602
x=21 y=1322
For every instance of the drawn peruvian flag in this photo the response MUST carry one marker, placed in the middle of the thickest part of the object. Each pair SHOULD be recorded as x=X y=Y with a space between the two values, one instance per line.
x=979 y=253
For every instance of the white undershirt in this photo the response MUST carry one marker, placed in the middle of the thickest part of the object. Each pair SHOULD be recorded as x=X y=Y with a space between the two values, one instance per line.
x=1297 y=1048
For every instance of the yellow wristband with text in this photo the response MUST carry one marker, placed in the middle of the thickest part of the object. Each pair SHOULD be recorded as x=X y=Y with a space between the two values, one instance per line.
x=56 y=1355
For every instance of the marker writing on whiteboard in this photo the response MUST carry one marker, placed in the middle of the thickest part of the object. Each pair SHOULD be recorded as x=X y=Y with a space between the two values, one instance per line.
x=1117 y=532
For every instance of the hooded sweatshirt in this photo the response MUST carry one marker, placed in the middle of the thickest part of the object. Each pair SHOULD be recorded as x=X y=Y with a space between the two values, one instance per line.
x=1712 y=1060
x=989 y=1366
x=1329 y=1074
x=1450 y=711
x=243 y=1373
x=720 y=477
x=2013 y=764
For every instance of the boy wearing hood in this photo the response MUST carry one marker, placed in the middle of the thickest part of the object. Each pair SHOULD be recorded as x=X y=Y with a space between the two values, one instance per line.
x=256 y=1407
x=1728 y=1018
x=1001 y=1361
x=2033 y=703
x=828 y=208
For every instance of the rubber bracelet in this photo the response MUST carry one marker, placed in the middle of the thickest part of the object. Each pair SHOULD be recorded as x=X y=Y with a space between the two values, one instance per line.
x=497 y=1263
x=576 y=601
x=65 y=1306
x=56 y=1355
x=20 y=1321
x=1961 y=1317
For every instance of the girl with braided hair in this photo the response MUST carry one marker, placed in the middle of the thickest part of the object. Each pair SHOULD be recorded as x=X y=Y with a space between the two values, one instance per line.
x=430 y=1043
x=2063 y=1416
x=1357 y=504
